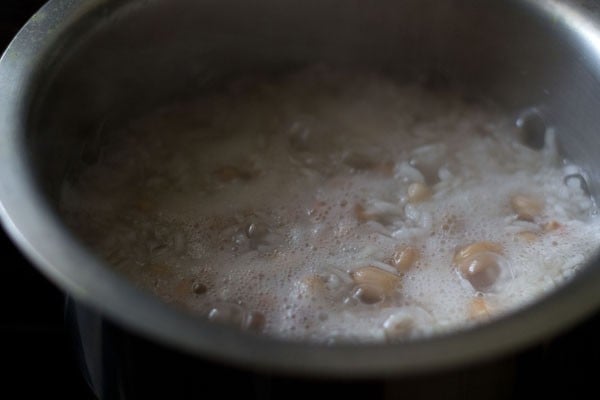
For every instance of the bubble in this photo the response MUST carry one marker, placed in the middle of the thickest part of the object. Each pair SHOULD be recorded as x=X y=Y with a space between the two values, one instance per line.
x=398 y=325
x=227 y=314
x=577 y=180
x=254 y=321
x=533 y=128
x=199 y=288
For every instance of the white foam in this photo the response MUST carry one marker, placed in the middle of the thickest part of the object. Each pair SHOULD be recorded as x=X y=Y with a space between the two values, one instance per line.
x=271 y=194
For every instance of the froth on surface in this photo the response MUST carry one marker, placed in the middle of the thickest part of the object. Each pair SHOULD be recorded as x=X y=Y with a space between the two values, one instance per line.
x=276 y=205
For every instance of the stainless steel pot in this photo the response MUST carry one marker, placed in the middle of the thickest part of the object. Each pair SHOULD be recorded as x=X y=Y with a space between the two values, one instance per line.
x=79 y=64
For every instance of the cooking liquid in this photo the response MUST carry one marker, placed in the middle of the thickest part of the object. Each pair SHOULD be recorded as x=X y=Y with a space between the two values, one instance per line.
x=328 y=206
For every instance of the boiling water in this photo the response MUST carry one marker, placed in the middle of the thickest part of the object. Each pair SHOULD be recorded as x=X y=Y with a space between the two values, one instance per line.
x=330 y=206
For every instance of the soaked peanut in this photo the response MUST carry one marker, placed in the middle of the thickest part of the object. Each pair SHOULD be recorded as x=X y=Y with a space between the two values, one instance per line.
x=361 y=214
x=479 y=263
x=526 y=207
x=376 y=277
x=382 y=217
x=465 y=253
x=385 y=168
x=398 y=325
x=481 y=270
x=528 y=236
x=479 y=308
x=314 y=284
x=418 y=192
x=551 y=226
x=368 y=294
x=404 y=258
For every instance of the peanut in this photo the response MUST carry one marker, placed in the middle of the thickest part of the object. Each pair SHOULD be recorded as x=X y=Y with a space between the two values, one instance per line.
x=375 y=277
x=479 y=308
x=418 y=192
x=526 y=207
x=466 y=252
x=404 y=258
x=528 y=236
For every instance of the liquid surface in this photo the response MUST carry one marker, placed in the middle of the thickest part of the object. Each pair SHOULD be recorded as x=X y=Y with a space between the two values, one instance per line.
x=329 y=207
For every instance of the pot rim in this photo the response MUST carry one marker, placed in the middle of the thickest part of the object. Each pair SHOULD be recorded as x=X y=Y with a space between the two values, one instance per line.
x=38 y=232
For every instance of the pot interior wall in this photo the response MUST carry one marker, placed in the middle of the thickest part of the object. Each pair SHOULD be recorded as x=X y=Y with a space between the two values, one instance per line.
x=125 y=58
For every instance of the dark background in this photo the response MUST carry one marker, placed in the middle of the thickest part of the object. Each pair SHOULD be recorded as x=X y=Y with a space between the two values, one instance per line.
x=38 y=357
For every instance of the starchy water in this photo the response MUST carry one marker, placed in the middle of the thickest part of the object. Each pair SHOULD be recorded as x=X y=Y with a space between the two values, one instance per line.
x=331 y=206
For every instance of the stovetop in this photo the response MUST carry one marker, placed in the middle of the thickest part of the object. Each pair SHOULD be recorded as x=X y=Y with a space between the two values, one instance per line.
x=39 y=357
